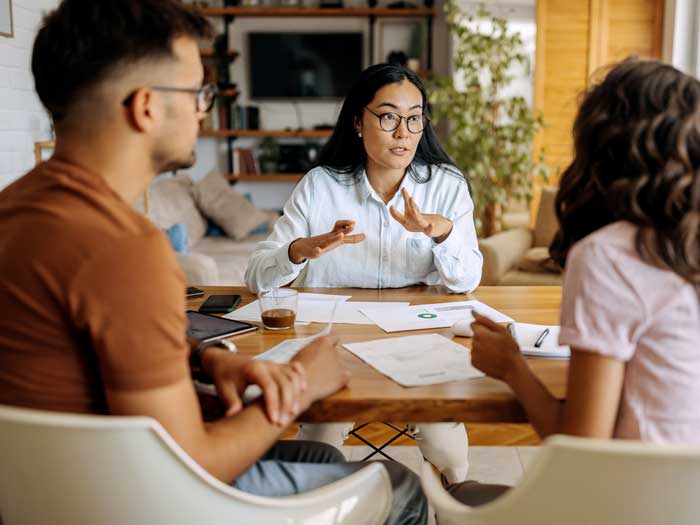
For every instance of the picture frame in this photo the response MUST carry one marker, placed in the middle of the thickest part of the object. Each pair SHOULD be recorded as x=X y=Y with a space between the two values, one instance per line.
x=6 y=23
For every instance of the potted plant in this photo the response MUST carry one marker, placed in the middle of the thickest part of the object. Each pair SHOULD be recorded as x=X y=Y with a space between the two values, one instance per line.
x=269 y=155
x=490 y=135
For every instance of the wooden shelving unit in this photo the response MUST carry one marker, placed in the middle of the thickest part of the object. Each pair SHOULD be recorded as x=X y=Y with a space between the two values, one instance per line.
x=262 y=133
x=265 y=177
x=209 y=53
x=315 y=12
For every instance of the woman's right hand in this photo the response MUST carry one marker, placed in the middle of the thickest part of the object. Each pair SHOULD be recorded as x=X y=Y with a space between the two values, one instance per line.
x=314 y=247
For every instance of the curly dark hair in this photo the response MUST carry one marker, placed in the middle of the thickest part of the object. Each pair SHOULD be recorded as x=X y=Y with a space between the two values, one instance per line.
x=637 y=159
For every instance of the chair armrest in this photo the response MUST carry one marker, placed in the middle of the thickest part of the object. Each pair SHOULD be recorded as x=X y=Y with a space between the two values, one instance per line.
x=199 y=269
x=501 y=252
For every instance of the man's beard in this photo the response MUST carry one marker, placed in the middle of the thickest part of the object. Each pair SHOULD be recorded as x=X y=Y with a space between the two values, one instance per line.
x=165 y=163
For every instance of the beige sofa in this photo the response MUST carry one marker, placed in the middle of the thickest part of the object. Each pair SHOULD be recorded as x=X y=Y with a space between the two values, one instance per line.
x=211 y=260
x=520 y=256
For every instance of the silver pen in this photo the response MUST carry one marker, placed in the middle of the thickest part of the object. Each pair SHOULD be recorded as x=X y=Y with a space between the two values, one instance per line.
x=541 y=338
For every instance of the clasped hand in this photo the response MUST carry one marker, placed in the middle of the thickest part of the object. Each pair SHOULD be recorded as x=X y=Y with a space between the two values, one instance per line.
x=288 y=389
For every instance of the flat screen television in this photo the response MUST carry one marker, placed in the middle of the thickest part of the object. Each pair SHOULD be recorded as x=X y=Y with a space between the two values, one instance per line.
x=303 y=65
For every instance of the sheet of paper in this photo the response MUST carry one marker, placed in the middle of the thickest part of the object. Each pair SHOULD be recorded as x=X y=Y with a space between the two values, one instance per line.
x=526 y=335
x=346 y=312
x=251 y=311
x=417 y=360
x=425 y=316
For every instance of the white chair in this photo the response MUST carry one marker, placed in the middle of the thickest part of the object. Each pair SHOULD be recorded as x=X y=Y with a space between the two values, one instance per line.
x=77 y=469
x=576 y=481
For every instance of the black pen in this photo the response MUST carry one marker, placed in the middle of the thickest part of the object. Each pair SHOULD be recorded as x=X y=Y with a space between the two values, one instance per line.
x=541 y=338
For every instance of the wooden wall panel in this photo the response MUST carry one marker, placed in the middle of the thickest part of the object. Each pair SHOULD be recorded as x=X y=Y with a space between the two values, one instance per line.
x=575 y=39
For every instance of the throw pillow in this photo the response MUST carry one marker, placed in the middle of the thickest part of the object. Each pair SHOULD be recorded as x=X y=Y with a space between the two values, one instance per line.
x=538 y=260
x=227 y=208
x=177 y=234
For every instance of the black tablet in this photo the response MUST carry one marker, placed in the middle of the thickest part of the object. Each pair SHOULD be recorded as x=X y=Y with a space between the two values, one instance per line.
x=210 y=327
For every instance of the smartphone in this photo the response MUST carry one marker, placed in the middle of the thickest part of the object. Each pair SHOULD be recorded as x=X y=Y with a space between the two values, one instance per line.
x=220 y=304
x=208 y=328
x=193 y=292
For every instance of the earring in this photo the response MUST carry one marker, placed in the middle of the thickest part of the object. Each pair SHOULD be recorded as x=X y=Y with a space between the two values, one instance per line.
x=359 y=133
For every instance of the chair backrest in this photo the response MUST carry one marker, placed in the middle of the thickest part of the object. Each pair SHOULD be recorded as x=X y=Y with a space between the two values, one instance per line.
x=73 y=469
x=576 y=481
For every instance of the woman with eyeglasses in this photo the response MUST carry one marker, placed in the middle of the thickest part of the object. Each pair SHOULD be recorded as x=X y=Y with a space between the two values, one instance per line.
x=385 y=208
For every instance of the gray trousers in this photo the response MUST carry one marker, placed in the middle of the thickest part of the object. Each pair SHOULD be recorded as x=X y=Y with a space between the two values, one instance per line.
x=292 y=467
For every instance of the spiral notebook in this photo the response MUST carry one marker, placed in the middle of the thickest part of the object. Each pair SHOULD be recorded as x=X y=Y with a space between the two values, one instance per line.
x=527 y=335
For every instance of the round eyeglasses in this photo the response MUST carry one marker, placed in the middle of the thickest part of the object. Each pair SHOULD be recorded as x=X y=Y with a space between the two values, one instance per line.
x=204 y=96
x=391 y=121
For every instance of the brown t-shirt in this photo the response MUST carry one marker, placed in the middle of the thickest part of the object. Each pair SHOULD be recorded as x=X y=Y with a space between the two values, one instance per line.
x=91 y=295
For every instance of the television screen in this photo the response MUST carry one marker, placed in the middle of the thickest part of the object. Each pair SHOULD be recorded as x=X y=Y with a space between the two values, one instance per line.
x=303 y=65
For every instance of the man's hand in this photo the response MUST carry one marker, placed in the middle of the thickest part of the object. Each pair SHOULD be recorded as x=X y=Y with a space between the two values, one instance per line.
x=431 y=224
x=324 y=371
x=494 y=351
x=283 y=386
x=314 y=247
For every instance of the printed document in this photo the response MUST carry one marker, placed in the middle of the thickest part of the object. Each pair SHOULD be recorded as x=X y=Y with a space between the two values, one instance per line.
x=424 y=316
x=417 y=360
x=251 y=311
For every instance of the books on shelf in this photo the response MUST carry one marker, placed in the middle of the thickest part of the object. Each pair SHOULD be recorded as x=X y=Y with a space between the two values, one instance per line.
x=244 y=162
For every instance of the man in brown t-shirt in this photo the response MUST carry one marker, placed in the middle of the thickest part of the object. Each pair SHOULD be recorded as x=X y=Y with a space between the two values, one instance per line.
x=91 y=296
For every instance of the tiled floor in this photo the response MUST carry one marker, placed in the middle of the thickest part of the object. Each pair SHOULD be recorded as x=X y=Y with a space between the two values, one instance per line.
x=502 y=465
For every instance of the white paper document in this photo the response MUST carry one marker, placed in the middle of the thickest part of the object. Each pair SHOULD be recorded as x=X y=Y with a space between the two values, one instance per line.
x=251 y=311
x=424 y=316
x=417 y=360
x=527 y=334
x=346 y=312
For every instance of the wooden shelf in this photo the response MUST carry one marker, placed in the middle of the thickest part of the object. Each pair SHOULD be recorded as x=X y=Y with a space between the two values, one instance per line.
x=209 y=53
x=266 y=177
x=233 y=93
x=315 y=12
x=262 y=133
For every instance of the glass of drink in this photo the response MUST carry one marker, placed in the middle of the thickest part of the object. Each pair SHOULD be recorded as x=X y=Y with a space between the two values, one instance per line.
x=278 y=308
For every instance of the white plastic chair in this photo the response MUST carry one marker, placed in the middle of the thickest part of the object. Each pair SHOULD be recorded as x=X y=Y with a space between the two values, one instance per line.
x=77 y=469
x=576 y=481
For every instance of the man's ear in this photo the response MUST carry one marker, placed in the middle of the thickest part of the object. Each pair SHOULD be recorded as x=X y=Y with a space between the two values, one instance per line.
x=142 y=111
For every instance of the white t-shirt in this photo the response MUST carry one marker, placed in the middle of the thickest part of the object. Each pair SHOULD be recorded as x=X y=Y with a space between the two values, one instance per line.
x=390 y=256
x=617 y=305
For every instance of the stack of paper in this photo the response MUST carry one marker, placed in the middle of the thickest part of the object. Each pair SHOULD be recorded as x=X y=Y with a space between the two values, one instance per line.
x=424 y=316
x=527 y=334
x=314 y=308
x=417 y=360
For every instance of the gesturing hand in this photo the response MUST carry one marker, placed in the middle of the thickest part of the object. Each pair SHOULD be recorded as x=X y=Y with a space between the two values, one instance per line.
x=283 y=386
x=314 y=247
x=431 y=224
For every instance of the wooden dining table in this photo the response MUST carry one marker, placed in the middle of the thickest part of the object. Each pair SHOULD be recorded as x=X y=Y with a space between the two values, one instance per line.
x=372 y=396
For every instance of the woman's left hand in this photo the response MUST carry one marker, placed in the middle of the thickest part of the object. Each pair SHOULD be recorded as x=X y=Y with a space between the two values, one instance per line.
x=431 y=224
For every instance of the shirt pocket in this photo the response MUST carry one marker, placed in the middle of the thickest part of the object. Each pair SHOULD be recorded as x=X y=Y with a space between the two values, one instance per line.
x=419 y=256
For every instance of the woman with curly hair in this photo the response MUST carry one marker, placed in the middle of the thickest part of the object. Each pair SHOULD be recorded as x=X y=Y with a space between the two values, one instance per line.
x=629 y=239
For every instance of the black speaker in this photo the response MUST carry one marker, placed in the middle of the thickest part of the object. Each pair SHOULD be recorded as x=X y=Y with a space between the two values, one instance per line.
x=252 y=117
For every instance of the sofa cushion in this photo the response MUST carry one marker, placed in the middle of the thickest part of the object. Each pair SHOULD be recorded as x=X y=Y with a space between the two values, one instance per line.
x=537 y=260
x=518 y=278
x=171 y=202
x=546 y=224
x=227 y=208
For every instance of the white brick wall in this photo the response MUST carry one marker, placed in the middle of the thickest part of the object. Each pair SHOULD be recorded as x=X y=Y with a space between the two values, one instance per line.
x=22 y=117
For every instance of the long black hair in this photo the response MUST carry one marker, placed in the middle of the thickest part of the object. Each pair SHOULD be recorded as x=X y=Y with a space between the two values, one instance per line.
x=344 y=154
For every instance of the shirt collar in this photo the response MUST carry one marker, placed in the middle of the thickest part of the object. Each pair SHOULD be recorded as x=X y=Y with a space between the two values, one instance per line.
x=365 y=189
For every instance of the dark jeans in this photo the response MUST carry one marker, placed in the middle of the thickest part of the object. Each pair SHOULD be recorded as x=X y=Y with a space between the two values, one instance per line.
x=292 y=467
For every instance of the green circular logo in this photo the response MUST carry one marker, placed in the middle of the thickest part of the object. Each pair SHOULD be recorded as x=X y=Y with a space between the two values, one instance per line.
x=427 y=316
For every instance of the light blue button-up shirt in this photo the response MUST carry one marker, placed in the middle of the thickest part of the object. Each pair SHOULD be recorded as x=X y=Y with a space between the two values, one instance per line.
x=390 y=256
